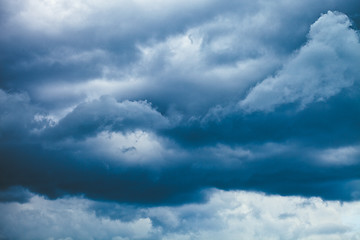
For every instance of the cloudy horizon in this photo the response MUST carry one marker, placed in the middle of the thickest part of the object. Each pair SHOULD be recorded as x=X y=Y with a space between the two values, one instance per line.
x=179 y=120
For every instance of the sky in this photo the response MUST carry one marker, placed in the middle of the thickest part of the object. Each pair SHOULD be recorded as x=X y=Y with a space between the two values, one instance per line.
x=179 y=120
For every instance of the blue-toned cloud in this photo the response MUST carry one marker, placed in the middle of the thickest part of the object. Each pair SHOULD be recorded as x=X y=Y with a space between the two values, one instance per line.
x=106 y=114
x=169 y=122
x=323 y=67
x=227 y=215
x=15 y=194
x=18 y=116
x=130 y=111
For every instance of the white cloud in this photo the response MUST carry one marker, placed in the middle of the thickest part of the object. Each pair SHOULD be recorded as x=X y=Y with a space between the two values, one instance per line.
x=219 y=57
x=54 y=17
x=243 y=215
x=67 y=218
x=323 y=67
x=348 y=155
x=126 y=88
x=167 y=69
x=227 y=215
x=136 y=148
x=50 y=16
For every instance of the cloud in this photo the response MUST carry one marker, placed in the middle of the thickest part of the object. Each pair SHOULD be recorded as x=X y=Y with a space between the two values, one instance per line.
x=323 y=67
x=17 y=117
x=44 y=35
x=106 y=113
x=137 y=147
x=175 y=120
x=139 y=103
x=111 y=46
x=140 y=164
x=15 y=194
x=65 y=219
x=228 y=215
x=344 y=155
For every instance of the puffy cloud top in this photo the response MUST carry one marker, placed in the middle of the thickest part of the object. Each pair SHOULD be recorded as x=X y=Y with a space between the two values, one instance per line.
x=323 y=67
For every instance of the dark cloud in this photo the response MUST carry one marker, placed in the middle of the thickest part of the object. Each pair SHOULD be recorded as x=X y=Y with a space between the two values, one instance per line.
x=273 y=168
x=309 y=127
x=56 y=174
x=155 y=106
x=179 y=120
x=15 y=194
x=106 y=114
x=17 y=116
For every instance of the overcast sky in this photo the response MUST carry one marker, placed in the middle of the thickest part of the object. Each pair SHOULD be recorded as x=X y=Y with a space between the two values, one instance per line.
x=179 y=119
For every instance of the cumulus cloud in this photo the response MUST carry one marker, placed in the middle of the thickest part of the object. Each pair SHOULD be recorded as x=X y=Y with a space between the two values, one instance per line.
x=137 y=147
x=18 y=116
x=67 y=218
x=226 y=215
x=323 y=67
x=107 y=114
x=126 y=109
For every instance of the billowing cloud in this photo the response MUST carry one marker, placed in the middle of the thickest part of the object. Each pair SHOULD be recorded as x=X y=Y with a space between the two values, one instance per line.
x=132 y=113
x=227 y=215
x=323 y=67
x=108 y=114
x=40 y=219
x=18 y=116
x=156 y=123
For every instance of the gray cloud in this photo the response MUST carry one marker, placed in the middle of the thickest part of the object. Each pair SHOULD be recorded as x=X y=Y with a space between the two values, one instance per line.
x=129 y=112
x=18 y=116
x=323 y=67
x=156 y=120
x=106 y=114
x=15 y=194
x=227 y=215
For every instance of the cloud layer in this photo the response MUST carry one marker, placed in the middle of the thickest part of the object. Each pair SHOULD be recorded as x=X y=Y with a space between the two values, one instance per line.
x=319 y=70
x=148 y=107
x=227 y=215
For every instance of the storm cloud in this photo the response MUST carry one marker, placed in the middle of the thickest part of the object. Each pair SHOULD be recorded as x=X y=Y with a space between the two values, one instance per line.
x=147 y=107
